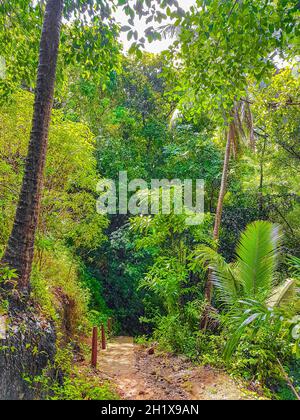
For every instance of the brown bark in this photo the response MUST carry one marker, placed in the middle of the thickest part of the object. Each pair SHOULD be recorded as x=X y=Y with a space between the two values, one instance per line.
x=261 y=182
x=20 y=248
x=223 y=188
x=222 y=193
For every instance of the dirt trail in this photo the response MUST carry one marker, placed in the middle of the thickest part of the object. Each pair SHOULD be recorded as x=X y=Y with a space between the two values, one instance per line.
x=139 y=375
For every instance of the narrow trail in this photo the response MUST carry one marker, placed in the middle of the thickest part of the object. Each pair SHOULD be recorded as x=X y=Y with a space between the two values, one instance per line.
x=139 y=375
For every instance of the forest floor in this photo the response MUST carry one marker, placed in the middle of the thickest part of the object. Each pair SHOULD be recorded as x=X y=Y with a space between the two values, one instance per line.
x=142 y=374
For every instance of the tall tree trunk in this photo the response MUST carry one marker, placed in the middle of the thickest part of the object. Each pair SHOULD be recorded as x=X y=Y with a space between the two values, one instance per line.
x=261 y=182
x=222 y=193
x=223 y=188
x=20 y=249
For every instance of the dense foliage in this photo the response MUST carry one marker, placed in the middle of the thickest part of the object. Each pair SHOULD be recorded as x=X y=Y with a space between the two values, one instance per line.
x=234 y=68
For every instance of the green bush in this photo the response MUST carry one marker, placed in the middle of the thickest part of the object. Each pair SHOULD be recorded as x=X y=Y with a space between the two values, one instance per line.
x=70 y=382
x=82 y=388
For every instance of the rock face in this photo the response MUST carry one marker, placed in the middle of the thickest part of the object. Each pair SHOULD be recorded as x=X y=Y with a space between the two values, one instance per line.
x=27 y=347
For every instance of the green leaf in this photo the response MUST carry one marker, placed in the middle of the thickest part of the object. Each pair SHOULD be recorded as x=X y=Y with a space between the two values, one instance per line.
x=257 y=253
x=125 y=28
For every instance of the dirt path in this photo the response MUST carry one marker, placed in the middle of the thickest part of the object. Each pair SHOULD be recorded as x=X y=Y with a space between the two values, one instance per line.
x=139 y=375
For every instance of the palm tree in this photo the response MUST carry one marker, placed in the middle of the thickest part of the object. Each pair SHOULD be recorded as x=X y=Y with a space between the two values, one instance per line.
x=20 y=248
x=247 y=286
x=240 y=131
x=252 y=275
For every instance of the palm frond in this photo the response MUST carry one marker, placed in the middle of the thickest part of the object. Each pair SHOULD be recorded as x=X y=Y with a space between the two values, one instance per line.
x=226 y=281
x=255 y=315
x=243 y=127
x=256 y=253
x=223 y=274
x=295 y=265
x=282 y=294
x=235 y=338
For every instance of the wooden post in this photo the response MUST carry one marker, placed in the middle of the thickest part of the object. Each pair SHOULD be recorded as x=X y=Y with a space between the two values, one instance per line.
x=109 y=326
x=95 y=347
x=103 y=337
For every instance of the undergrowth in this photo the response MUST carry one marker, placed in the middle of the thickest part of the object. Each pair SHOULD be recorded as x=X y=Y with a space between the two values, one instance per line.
x=65 y=381
x=255 y=360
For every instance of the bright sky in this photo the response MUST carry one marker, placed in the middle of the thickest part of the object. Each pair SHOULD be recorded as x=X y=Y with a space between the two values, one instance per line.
x=154 y=47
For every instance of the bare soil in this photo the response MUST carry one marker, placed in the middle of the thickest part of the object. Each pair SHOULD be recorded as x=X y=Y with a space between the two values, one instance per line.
x=142 y=374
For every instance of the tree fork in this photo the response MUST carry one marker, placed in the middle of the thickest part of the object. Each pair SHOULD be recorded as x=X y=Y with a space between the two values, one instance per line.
x=20 y=249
